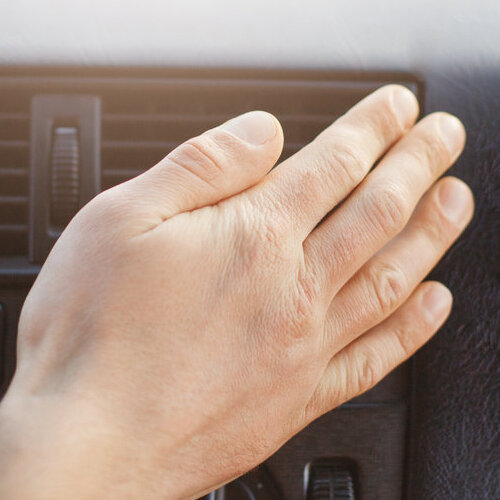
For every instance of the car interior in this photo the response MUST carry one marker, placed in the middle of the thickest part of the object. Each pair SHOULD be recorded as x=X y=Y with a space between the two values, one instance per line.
x=94 y=93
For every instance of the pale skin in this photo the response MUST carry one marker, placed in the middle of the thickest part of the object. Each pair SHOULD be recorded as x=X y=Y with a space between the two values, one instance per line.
x=190 y=321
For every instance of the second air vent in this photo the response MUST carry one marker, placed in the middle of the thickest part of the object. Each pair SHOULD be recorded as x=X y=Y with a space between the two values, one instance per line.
x=65 y=165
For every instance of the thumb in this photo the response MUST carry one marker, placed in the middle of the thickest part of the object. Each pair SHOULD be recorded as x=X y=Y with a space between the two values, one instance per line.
x=215 y=165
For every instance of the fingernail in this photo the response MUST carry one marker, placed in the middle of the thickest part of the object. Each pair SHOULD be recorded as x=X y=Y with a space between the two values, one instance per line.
x=455 y=200
x=453 y=134
x=436 y=302
x=256 y=127
x=405 y=106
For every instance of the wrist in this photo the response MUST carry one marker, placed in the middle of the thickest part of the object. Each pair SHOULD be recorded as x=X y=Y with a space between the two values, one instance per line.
x=46 y=453
x=69 y=450
x=15 y=454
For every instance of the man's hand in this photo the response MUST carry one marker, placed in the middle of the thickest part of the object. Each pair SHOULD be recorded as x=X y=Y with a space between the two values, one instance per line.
x=190 y=321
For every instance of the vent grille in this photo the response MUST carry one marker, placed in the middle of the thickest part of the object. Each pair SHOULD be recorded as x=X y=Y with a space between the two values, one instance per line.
x=144 y=118
x=139 y=127
x=14 y=162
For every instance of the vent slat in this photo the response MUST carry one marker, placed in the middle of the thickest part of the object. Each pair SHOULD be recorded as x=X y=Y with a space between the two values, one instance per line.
x=15 y=144
x=138 y=156
x=231 y=96
x=15 y=228
x=180 y=127
x=16 y=172
x=162 y=145
x=130 y=159
x=185 y=117
x=14 y=199
x=142 y=145
x=113 y=177
x=14 y=117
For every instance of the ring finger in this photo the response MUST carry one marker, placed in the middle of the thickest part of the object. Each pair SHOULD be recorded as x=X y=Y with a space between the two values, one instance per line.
x=389 y=277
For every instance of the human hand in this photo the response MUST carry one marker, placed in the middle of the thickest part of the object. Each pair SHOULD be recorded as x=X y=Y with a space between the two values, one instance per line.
x=190 y=321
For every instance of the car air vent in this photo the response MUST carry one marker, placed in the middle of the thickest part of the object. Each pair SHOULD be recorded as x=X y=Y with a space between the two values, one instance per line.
x=146 y=113
x=14 y=163
x=142 y=123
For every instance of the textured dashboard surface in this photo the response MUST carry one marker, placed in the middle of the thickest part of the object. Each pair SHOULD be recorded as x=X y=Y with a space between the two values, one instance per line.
x=340 y=33
x=457 y=436
x=455 y=46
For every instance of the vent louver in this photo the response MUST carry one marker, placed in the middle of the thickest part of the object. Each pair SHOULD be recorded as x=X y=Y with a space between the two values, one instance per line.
x=143 y=118
x=140 y=127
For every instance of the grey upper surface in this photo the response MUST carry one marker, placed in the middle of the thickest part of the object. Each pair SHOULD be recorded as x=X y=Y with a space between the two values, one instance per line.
x=319 y=33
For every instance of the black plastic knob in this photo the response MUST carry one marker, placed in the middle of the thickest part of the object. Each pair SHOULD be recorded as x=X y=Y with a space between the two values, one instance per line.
x=331 y=479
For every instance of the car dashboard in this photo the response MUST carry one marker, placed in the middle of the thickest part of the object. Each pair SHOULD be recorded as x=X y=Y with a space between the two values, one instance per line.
x=123 y=83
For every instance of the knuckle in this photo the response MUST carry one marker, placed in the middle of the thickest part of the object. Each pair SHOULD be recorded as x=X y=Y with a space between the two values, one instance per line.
x=301 y=316
x=343 y=160
x=385 y=124
x=201 y=157
x=369 y=370
x=271 y=235
x=256 y=242
x=306 y=299
x=430 y=151
x=387 y=285
x=404 y=342
x=435 y=226
x=386 y=208
x=264 y=238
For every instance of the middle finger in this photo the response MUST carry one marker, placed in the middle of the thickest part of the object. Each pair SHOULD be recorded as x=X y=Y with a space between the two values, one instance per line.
x=382 y=204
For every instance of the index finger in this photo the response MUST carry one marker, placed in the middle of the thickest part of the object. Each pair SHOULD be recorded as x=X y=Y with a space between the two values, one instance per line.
x=305 y=187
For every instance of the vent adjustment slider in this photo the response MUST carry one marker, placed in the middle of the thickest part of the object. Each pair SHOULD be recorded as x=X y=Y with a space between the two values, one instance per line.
x=65 y=175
